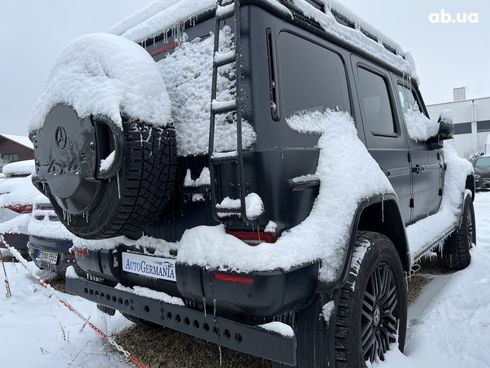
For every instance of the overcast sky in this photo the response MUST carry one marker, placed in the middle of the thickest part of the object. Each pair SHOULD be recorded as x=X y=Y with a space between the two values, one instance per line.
x=33 y=33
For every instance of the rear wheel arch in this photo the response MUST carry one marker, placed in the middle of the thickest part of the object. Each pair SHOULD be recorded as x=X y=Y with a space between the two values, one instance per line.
x=380 y=214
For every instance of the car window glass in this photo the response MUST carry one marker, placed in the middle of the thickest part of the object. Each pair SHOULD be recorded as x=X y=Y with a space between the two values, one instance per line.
x=483 y=161
x=375 y=103
x=408 y=99
x=312 y=77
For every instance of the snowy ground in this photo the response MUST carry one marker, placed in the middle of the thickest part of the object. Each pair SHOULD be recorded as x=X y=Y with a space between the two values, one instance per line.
x=449 y=324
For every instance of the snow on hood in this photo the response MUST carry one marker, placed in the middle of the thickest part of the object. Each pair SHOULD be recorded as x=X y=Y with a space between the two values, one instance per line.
x=17 y=225
x=159 y=17
x=187 y=73
x=320 y=236
x=108 y=75
x=19 y=168
x=20 y=191
x=48 y=229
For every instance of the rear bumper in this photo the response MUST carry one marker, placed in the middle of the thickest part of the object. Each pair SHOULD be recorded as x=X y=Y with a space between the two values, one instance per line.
x=271 y=293
x=60 y=247
x=18 y=241
x=482 y=183
x=237 y=336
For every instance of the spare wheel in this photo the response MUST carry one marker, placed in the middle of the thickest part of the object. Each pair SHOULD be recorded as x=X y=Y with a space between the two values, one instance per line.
x=104 y=181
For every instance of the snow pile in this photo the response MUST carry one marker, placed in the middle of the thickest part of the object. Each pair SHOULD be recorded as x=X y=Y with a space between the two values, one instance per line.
x=17 y=225
x=423 y=232
x=106 y=163
x=48 y=229
x=203 y=179
x=150 y=245
x=19 y=168
x=152 y=294
x=37 y=331
x=253 y=203
x=279 y=328
x=401 y=61
x=321 y=235
x=447 y=116
x=107 y=75
x=159 y=17
x=22 y=191
x=11 y=183
x=420 y=128
x=187 y=73
x=327 y=310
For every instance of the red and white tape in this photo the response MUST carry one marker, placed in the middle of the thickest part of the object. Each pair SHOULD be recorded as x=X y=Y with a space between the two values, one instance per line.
x=15 y=253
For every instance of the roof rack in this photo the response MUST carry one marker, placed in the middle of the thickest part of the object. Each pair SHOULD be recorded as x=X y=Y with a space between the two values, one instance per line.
x=379 y=45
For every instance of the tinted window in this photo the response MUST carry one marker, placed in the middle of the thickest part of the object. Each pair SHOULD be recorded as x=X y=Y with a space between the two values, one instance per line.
x=462 y=128
x=483 y=161
x=375 y=103
x=312 y=77
x=483 y=126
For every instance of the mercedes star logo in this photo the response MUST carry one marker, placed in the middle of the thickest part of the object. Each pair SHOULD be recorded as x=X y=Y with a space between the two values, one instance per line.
x=60 y=137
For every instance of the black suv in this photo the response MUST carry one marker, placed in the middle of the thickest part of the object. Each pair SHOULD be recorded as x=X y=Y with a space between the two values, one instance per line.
x=134 y=219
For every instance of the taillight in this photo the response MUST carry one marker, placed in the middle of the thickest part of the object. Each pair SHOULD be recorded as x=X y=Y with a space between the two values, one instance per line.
x=234 y=278
x=254 y=237
x=20 y=208
x=82 y=252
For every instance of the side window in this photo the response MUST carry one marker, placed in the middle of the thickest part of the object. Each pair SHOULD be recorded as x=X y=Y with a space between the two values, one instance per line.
x=375 y=103
x=312 y=77
x=408 y=99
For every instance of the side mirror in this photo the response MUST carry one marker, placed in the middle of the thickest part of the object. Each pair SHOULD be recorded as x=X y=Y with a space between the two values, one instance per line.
x=446 y=125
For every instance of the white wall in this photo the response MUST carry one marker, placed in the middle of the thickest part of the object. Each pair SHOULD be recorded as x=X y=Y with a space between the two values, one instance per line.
x=468 y=111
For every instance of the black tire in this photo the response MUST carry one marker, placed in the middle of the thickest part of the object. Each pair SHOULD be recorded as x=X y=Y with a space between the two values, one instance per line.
x=357 y=339
x=134 y=198
x=320 y=343
x=455 y=254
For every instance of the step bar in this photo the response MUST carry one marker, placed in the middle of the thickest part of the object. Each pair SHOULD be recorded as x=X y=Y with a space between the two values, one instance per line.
x=247 y=339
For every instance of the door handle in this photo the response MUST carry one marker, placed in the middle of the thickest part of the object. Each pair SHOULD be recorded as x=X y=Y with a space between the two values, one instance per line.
x=417 y=169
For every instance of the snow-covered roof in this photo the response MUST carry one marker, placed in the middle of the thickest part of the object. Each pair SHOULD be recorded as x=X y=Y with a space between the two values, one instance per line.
x=21 y=139
x=159 y=17
x=163 y=15
x=19 y=168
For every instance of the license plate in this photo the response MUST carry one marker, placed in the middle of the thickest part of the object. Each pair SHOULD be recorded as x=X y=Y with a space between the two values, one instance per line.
x=48 y=257
x=155 y=267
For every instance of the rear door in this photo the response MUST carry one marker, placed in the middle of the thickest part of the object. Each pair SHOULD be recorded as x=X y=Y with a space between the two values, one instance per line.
x=427 y=165
x=385 y=139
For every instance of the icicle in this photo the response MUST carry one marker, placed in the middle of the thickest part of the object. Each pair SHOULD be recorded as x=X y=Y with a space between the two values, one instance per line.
x=118 y=186
x=204 y=305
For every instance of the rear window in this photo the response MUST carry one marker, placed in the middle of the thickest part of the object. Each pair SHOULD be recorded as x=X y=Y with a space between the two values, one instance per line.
x=312 y=77
x=483 y=161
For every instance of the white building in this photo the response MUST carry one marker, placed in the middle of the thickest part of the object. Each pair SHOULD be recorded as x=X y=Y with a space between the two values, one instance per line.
x=471 y=122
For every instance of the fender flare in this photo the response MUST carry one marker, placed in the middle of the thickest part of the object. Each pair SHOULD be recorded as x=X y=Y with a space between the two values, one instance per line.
x=364 y=204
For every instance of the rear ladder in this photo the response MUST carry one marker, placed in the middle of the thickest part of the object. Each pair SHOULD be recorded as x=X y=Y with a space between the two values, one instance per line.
x=227 y=9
